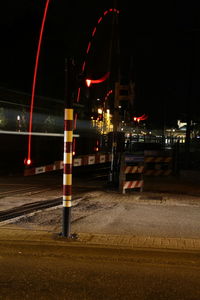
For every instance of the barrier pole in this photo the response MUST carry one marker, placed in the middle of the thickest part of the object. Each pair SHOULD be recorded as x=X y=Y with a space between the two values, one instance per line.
x=67 y=171
x=68 y=151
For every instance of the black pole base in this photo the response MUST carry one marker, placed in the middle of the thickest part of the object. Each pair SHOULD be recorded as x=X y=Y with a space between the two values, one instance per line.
x=66 y=226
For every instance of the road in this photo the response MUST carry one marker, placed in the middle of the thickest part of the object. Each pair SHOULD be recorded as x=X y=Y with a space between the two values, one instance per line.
x=18 y=190
x=53 y=181
x=55 y=268
x=159 y=215
x=63 y=270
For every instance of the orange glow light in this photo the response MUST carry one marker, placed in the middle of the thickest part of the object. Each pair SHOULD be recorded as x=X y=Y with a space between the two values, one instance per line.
x=95 y=81
x=27 y=162
x=88 y=82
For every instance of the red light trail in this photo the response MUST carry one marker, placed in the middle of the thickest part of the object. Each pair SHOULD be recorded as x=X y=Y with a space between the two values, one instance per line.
x=89 y=44
x=108 y=94
x=89 y=82
x=28 y=160
x=141 y=118
x=93 y=81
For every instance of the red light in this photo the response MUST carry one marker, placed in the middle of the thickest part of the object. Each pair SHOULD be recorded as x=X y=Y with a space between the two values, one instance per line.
x=108 y=94
x=89 y=44
x=75 y=120
x=88 y=48
x=88 y=82
x=142 y=118
x=74 y=146
x=34 y=80
x=102 y=79
x=95 y=81
x=27 y=162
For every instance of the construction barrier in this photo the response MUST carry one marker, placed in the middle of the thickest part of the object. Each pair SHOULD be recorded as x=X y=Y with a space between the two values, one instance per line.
x=131 y=172
x=158 y=163
x=78 y=161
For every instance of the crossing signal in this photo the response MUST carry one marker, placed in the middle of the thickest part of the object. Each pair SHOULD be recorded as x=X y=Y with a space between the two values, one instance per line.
x=88 y=82
x=141 y=118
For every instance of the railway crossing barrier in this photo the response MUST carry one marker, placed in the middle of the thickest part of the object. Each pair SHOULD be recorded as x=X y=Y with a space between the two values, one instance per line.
x=131 y=172
x=78 y=161
x=155 y=163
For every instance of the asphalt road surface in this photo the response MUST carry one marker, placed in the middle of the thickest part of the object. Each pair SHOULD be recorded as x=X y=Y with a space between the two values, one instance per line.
x=35 y=270
x=57 y=269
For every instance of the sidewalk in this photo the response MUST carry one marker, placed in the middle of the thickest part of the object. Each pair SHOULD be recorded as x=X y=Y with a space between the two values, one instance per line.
x=17 y=235
x=164 y=216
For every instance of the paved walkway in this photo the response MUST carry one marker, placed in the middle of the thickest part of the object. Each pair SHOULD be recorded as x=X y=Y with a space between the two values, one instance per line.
x=158 y=191
x=14 y=234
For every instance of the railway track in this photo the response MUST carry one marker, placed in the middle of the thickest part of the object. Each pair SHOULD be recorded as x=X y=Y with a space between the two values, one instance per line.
x=28 y=208
x=85 y=179
x=27 y=190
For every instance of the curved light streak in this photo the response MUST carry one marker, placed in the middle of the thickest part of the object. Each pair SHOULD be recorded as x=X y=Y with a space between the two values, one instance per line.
x=141 y=118
x=95 y=81
x=106 y=12
x=90 y=81
x=28 y=160
x=108 y=94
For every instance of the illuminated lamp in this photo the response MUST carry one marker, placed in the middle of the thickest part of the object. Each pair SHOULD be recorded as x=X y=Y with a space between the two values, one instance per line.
x=27 y=162
x=88 y=82
x=96 y=81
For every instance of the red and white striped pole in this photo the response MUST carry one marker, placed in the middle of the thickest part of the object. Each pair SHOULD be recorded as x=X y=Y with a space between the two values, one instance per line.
x=68 y=151
x=67 y=170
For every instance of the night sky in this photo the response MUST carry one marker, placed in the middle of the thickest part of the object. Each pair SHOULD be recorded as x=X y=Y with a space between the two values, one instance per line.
x=159 y=50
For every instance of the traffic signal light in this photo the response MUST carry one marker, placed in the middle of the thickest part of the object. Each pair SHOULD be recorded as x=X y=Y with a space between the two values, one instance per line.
x=88 y=82
x=141 y=118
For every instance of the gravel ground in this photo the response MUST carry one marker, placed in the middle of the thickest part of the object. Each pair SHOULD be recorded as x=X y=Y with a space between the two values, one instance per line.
x=134 y=213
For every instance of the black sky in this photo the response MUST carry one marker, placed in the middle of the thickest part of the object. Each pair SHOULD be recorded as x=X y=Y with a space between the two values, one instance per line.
x=161 y=39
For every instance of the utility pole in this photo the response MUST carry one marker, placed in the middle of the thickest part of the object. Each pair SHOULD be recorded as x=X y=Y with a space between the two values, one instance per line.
x=114 y=140
x=188 y=101
x=113 y=135
x=122 y=93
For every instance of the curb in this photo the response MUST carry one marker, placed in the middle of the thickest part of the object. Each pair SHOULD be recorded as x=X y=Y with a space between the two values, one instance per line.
x=130 y=241
x=15 y=234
